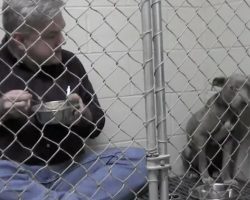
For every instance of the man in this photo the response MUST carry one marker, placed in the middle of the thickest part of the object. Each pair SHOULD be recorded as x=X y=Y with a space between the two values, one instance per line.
x=47 y=161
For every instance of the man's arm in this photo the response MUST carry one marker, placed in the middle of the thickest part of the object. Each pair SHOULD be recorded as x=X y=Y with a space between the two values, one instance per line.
x=92 y=118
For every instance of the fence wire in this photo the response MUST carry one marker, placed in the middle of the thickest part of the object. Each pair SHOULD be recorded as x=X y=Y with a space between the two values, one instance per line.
x=106 y=38
x=204 y=40
x=119 y=44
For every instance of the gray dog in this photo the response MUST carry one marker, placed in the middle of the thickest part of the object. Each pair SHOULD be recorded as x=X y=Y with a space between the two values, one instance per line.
x=216 y=128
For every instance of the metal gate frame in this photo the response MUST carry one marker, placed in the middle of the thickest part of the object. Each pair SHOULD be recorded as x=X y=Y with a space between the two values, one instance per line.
x=154 y=83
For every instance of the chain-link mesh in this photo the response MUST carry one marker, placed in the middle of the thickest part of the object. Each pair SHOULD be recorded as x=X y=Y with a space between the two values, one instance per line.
x=204 y=40
x=49 y=106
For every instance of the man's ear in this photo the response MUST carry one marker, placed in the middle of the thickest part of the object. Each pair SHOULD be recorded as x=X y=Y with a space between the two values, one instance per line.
x=19 y=39
x=219 y=81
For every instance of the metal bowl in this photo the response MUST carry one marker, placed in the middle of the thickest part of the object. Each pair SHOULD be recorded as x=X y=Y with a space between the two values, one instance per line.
x=216 y=191
x=55 y=112
x=174 y=197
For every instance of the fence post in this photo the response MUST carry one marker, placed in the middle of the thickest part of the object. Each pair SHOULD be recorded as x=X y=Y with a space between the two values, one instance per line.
x=149 y=85
x=160 y=96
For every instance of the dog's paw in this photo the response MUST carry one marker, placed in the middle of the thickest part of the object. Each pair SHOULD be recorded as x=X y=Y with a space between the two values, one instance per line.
x=231 y=182
x=207 y=180
x=228 y=125
x=193 y=175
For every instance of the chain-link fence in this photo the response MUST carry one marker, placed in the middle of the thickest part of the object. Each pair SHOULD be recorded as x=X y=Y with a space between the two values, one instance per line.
x=204 y=40
x=62 y=78
x=152 y=65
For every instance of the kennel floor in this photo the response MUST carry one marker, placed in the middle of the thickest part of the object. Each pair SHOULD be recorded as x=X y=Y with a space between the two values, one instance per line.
x=181 y=187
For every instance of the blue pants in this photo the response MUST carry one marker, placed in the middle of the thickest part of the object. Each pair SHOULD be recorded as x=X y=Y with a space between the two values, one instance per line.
x=114 y=174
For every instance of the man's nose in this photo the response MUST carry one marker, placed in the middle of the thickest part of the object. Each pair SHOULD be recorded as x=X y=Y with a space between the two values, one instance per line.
x=60 y=40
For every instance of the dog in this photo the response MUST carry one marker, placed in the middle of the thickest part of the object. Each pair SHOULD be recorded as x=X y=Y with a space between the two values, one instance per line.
x=214 y=130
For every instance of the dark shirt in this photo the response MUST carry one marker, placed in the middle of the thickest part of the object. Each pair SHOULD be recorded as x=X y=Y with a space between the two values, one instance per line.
x=29 y=141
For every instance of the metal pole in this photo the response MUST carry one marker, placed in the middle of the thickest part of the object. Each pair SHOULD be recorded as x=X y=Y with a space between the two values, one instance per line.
x=160 y=94
x=149 y=99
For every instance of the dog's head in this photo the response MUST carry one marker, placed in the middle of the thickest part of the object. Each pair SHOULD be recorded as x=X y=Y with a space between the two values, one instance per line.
x=235 y=90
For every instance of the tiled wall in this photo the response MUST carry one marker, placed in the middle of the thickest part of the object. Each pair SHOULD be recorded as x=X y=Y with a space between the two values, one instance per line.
x=107 y=39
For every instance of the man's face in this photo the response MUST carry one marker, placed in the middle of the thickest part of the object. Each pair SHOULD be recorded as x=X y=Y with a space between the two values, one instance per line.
x=45 y=48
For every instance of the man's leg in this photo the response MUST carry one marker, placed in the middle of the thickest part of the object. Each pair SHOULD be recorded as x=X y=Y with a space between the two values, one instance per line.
x=114 y=174
x=17 y=183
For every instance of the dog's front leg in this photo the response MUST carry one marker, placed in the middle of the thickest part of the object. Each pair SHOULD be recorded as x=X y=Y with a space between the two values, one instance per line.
x=203 y=163
x=230 y=153
x=203 y=168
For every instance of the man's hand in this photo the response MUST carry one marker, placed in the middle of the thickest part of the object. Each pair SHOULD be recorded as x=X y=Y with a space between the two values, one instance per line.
x=14 y=103
x=81 y=108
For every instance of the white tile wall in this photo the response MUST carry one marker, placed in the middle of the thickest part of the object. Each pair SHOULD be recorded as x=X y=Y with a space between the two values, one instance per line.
x=106 y=37
x=125 y=118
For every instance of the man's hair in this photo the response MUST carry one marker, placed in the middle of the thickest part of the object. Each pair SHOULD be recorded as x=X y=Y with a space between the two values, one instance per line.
x=28 y=14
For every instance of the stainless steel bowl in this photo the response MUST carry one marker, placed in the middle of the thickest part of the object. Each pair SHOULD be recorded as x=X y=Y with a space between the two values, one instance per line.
x=55 y=112
x=216 y=191
x=174 y=197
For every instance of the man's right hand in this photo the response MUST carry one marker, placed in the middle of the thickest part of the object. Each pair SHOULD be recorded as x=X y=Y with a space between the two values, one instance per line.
x=15 y=103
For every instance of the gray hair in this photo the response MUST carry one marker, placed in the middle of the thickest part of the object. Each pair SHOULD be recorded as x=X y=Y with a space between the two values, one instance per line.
x=28 y=14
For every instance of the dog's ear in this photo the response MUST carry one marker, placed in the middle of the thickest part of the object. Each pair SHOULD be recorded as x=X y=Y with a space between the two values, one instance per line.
x=219 y=81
